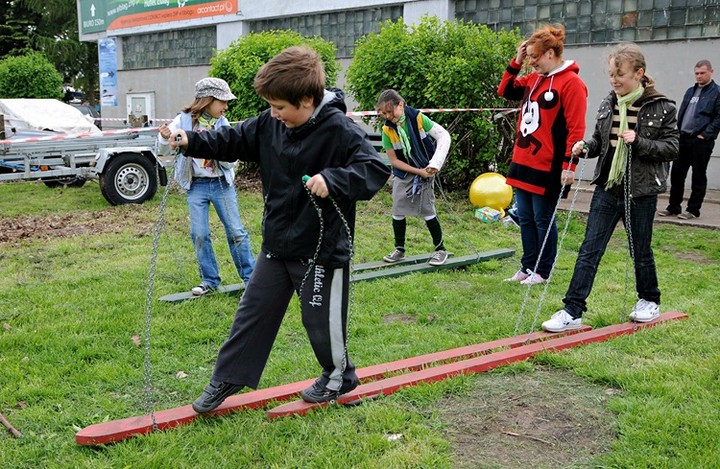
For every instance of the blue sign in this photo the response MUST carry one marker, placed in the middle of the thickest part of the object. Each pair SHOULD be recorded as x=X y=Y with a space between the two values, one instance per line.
x=107 y=61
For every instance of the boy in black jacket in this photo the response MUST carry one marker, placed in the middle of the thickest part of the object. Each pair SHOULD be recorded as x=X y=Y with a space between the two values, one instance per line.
x=305 y=132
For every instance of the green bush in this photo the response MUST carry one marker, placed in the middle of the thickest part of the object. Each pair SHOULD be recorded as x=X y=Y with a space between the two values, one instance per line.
x=449 y=64
x=30 y=76
x=239 y=63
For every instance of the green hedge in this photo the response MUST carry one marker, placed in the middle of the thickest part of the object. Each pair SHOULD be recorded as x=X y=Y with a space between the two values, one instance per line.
x=448 y=64
x=239 y=63
x=30 y=76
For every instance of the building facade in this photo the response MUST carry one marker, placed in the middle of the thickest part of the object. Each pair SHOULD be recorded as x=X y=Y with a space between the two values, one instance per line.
x=153 y=51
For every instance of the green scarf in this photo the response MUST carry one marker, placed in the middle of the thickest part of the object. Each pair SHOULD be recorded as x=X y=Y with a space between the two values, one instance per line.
x=404 y=139
x=619 y=162
x=207 y=121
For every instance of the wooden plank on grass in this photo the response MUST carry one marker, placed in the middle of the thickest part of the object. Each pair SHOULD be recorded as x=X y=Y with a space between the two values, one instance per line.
x=372 y=265
x=374 y=271
x=118 y=430
x=451 y=263
x=234 y=289
x=472 y=365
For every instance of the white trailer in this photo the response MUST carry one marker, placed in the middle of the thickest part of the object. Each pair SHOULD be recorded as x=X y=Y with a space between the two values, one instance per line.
x=125 y=162
x=126 y=165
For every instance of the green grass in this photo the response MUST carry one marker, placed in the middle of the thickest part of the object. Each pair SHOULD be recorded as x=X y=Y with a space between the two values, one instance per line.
x=70 y=306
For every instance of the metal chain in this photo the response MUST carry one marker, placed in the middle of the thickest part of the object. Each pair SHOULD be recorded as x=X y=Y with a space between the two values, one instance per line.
x=312 y=262
x=627 y=202
x=147 y=375
x=541 y=300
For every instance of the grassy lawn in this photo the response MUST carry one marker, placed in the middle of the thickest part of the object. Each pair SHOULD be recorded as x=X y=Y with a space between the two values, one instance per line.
x=73 y=311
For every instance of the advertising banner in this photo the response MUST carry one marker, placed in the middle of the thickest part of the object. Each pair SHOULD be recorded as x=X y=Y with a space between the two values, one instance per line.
x=107 y=15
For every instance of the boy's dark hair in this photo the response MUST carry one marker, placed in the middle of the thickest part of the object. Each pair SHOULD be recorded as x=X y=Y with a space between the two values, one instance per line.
x=293 y=74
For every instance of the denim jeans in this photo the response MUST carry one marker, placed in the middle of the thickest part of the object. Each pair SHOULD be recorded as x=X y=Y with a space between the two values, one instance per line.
x=605 y=212
x=536 y=221
x=216 y=191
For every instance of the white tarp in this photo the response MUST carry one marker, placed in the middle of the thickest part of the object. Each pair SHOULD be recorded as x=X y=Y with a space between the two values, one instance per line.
x=45 y=114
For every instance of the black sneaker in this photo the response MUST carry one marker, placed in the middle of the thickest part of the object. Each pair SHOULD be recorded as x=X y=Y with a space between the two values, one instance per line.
x=319 y=393
x=214 y=395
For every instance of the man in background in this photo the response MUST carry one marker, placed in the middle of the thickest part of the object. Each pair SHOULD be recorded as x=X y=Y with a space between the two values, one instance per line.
x=699 y=123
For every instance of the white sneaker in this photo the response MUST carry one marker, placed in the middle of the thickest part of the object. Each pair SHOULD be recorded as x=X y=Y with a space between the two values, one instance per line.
x=201 y=289
x=519 y=276
x=533 y=279
x=645 y=311
x=561 y=322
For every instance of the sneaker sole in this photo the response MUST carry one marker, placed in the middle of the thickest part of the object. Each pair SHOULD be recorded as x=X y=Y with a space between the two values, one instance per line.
x=644 y=320
x=563 y=329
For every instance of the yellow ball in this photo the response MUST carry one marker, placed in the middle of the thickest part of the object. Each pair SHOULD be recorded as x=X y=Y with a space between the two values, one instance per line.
x=490 y=190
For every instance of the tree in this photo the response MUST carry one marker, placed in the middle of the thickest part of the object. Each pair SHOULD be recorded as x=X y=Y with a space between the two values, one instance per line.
x=448 y=64
x=239 y=63
x=51 y=27
x=16 y=28
x=29 y=76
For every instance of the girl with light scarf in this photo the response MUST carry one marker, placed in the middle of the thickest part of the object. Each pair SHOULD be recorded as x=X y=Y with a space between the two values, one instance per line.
x=634 y=140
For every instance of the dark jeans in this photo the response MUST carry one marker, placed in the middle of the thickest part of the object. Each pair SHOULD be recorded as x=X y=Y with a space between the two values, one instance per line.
x=694 y=153
x=536 y=213
x=605 y=212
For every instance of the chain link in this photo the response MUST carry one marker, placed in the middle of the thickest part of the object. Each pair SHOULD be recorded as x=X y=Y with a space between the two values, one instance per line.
x=627 y=202
x=147 y=373
x=313 y=261
x=541 y=300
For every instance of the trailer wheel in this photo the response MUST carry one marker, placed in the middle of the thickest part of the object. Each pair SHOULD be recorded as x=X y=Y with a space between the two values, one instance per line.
x=129 y=178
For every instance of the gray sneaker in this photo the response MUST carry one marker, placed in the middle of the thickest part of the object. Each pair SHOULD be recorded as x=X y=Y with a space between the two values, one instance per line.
x=393 y=257
x=687 y=216
x=438 y=258
x=666 y=213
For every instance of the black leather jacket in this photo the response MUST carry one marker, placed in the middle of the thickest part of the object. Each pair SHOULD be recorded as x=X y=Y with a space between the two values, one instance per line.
x=655 y=145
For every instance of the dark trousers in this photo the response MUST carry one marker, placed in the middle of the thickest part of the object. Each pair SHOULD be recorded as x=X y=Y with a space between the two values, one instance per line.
x=605 y=212
x=324 y=305
x=694 y=153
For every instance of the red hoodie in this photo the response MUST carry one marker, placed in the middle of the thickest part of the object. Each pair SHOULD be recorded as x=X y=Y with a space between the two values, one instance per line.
x=552 y=119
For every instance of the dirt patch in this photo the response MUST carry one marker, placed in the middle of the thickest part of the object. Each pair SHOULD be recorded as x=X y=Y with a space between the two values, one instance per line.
x=542 y=419
x=69 y=225
x=399 y=317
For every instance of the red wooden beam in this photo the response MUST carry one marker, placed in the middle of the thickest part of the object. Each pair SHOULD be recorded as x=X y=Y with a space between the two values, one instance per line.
x=118 y=430
x=472 y=365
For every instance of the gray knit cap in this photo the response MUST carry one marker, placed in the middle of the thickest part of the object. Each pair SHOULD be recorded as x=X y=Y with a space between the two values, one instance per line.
x=215 y=87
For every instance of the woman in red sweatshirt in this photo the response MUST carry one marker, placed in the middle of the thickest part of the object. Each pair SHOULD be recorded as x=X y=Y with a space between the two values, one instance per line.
x=552 y=118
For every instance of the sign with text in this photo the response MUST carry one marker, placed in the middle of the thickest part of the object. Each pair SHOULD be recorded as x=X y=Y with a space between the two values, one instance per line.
x=105 y=15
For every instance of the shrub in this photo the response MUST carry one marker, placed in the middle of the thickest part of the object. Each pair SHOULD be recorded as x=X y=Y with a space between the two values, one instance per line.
x=450 y=64
x=30 y=76
x=239 y=63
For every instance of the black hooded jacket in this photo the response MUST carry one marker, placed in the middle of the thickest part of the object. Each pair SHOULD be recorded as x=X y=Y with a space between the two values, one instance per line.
x=331 y=144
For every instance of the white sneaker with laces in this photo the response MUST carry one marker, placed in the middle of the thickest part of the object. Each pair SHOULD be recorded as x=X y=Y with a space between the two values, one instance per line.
x=645 y=311
x=519 y=276
x=561 y=322
x=533 y=279
x=201 y=289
